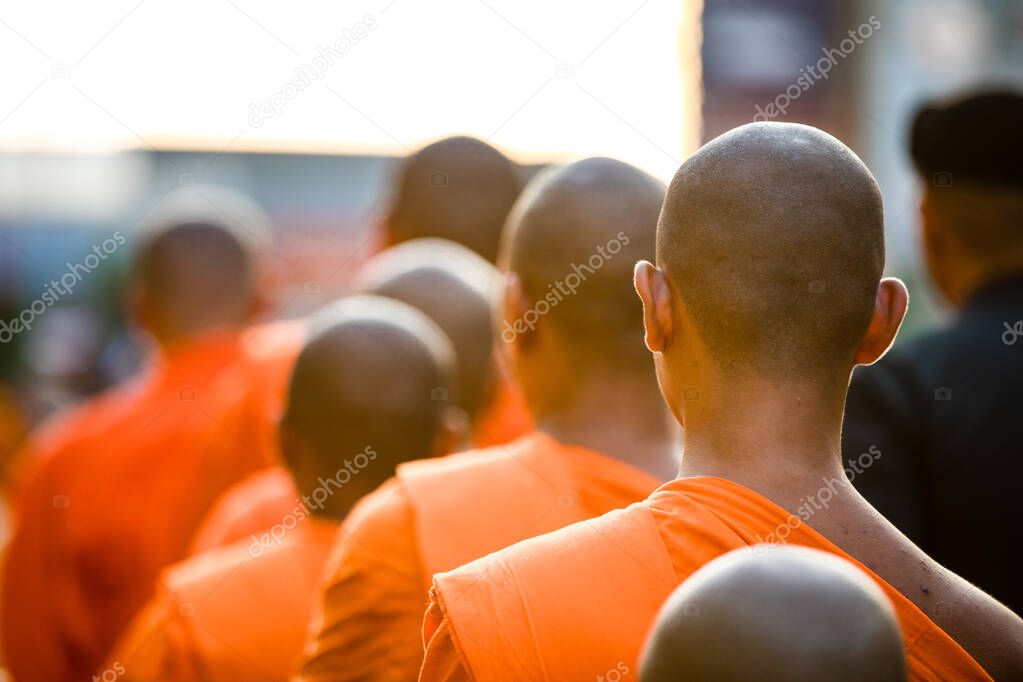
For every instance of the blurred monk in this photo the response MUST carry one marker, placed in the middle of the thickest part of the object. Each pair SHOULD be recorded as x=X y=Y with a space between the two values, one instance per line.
x=458 y=188
x=766 y=293
x=453 y=287
x=794 y=614
x=943 y=409
x=359 y=403
x=456 y=289
x=576 y=348
x=120 y=483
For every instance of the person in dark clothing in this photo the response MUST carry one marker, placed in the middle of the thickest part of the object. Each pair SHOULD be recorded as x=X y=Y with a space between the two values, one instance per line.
x=938 y=420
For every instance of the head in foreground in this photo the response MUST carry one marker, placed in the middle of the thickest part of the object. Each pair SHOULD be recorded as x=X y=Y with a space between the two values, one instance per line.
x=791 y=614
x=196 y=266
x=770 y=249
x=967 y=153
x=454 y=287
x=360 y=401
x=569 y=320
x=458 y=188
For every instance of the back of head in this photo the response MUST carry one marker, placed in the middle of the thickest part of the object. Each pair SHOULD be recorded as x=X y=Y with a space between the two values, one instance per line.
x=572 y=241
x=460 y=189
x=772 y=235
x=792 y=614
x=967 y=151
x=364 y=383
x=195 y=267
x=454 y=287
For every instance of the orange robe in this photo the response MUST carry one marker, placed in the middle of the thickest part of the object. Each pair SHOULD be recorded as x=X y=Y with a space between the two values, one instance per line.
x=435 y=515
x=579 y=602
x=228 y=615
x=257 y=503
x=116 y=494
x=247 y=509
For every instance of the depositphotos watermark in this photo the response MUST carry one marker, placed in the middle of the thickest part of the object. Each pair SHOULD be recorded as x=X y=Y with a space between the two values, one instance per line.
x=811 y=504
x=566 y=287
x=115 y=671
x=615 y=674
x=58 y=288
x=314 y=70
x=315 y=500
x=811 y=74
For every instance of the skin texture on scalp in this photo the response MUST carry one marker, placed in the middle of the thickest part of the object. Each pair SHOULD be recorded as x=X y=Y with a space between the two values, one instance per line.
x=454 y=287
x=792 y=614
x=365 y=379
x=736 y=213
x=586 y=225
x=458 y=188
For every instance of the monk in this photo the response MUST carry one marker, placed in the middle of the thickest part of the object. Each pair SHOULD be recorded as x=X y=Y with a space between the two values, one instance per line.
x=241 y=612
x=456 y=289
x=795 y=614
x=453 y=286
x=576 y=348
x=119 y=485
x=459 y=188
x=767 y=291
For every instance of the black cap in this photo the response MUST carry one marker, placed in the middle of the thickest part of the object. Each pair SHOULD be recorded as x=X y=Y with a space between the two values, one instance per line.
x=977 y=138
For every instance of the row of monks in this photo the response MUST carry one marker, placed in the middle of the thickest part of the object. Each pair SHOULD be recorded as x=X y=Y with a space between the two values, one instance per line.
x=585 y=429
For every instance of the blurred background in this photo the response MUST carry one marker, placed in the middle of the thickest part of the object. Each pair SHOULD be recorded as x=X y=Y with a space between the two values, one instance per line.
x=306 y=105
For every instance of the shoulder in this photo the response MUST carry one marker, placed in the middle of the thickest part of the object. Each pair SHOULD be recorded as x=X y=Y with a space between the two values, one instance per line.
x=551 y=553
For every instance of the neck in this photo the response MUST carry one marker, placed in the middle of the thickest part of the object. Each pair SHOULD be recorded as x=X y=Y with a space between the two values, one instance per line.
x=764 y=434
x=626 y=420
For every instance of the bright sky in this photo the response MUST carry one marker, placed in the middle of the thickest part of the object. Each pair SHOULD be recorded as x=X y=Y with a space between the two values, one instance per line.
x=540 y=79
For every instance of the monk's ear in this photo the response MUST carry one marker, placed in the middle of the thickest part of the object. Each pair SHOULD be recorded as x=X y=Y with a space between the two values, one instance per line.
x=889 y=310
x=652 y=287
x=453 y=434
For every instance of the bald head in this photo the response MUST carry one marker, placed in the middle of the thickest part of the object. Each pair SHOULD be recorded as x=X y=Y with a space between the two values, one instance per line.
x=195 y=267
x=572 y=241
x=454 y=287
x=460 y=189
x=792 y=614
x=772 y=235
x=365 y=378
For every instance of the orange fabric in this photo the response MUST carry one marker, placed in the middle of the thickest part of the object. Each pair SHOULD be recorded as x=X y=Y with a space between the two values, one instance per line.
x=436 y=515
x=227 y=614
x=507 y=419
x=119 y=487
x=247 y=509
x=577 y=603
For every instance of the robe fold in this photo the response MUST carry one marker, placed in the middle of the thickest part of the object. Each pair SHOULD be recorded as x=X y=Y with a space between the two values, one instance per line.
x=438 y=514
x=578 y=602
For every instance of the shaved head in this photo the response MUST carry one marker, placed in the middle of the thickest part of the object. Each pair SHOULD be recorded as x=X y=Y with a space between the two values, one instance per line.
x=792 y=614
x=460 y=189
x=365 y=378
x=195 y=267
x=772 y=235
x=572 y=241
x=454 y=287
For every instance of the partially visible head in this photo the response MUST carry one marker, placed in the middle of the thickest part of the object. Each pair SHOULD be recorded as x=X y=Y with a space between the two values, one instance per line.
x=362 y=398
x=967 y=152
x=455 y=288
x=792 y=614
x=770 y=249
x=569 y=314
x=458 y=188
x=195 y=267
